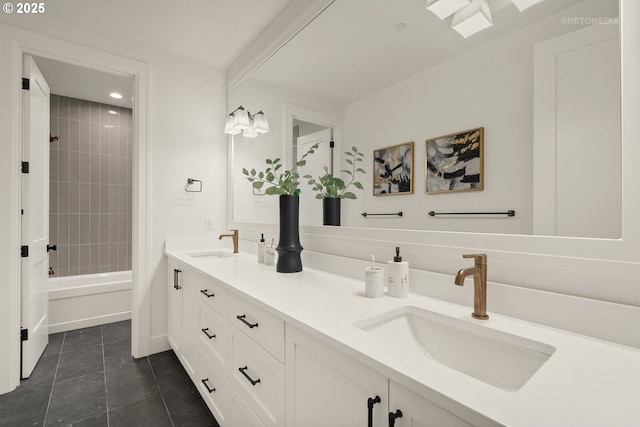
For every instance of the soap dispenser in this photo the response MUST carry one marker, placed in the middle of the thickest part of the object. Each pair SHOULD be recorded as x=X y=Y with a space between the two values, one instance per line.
x=261 y=245
x=398 y=276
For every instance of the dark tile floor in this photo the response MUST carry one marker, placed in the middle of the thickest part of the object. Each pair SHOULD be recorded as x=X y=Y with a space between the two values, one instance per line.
x=87 y=378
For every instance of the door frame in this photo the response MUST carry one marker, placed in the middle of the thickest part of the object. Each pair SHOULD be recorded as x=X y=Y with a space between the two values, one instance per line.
x=19 y=42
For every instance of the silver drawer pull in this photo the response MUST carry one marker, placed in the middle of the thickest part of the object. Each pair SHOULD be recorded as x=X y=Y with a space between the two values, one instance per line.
x=204 y=331
x=242 y=318
x=251 y=380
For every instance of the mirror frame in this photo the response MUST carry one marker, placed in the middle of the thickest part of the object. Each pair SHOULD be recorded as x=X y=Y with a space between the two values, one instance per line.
x=626 y=249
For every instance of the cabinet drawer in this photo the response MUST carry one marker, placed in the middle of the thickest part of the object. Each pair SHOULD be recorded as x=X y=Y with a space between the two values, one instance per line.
x=257 y=376
x=263 y=327
x=214 y=388
x=211 y=292
x=240 y=415
x=213 y=334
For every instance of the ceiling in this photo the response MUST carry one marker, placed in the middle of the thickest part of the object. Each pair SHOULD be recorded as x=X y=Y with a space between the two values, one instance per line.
x=356 y=47
x=214 y=32
x=84 y=83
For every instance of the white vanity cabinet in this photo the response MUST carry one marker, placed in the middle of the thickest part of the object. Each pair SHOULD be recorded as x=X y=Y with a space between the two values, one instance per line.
x=320 y=377
x=327 y=388
x=253 y=370
x=232 y=349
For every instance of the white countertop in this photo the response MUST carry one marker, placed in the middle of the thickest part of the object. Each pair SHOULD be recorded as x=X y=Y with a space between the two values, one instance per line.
x=586 y=382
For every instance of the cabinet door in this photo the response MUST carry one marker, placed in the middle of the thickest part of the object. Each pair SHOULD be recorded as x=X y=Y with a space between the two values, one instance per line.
x=327 y=388
x=174 y=289
x=419 y=412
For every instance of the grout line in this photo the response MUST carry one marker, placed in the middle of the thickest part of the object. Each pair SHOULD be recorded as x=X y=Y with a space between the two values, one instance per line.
x=160 y=390
x=53 y=383
x=104 y=371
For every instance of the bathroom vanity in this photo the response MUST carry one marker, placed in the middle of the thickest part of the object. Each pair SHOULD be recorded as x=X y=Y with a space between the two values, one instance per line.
x=309 y=349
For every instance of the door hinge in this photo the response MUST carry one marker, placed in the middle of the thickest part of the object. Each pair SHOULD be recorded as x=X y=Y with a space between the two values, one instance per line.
x=25 y=83
x=25 y=167
x=24 y=251
x=24 y=334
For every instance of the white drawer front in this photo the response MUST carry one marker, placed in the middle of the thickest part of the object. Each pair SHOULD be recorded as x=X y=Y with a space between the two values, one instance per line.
x=211 y=292
x=240 y=415
x=258 y=377
x=214 y=388
x=213 y=334
x=263 y=327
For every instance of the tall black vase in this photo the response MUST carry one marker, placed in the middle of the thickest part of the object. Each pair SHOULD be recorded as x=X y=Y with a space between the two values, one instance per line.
x=289 y=247
x=331 y=211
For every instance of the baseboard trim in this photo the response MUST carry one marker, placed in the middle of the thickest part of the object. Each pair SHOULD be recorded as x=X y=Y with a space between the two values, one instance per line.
x=158 y=344
x=89 y=322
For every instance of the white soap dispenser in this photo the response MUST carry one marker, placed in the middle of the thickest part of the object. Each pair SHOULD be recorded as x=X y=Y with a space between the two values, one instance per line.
x=261 y=245
x=397 y=277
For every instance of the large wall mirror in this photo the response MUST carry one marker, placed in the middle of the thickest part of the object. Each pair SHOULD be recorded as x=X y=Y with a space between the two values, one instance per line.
x=543 y=83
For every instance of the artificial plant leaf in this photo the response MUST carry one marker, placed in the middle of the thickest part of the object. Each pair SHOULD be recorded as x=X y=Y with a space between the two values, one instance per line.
x=253 y=172
x=258 y=185
x=349 y=161
x=245 y=171
x=358 y=185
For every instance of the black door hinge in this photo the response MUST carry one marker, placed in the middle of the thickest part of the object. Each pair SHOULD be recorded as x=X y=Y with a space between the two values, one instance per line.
x=25 y=167
x=25 y=83
x=24 y=334
x=24 y=251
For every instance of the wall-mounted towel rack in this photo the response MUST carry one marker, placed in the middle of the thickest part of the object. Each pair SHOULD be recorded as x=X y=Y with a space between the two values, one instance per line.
x=507 y=213
x=364 y=214
x=191 y=181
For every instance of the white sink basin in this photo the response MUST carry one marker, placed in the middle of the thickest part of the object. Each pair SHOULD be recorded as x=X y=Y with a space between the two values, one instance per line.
x=214 y=254
x=498 y=358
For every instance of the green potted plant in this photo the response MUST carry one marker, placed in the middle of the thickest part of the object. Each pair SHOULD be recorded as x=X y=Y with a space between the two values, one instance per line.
x=284 y=183
x=331 y=188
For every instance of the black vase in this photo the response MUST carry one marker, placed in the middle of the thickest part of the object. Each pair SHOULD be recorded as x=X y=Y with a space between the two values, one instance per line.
x=289 y=247
x=331 y=211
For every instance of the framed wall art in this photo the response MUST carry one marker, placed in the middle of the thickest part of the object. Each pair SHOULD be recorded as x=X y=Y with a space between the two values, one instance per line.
x=393 y=170
x=454 y=162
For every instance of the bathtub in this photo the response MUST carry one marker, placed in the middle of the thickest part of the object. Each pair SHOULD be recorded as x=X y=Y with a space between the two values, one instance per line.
x=88 y=300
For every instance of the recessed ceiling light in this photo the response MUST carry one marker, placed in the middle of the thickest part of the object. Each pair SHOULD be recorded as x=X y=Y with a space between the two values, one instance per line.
x=113 y=112
x=116 y=95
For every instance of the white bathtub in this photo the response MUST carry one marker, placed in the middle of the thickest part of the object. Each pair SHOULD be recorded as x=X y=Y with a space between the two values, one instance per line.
x=89 y=300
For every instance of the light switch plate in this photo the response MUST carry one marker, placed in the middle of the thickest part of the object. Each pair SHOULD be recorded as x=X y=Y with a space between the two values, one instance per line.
x=208 y=223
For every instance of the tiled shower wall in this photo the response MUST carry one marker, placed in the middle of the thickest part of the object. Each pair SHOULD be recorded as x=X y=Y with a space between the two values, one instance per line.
x=90 y=187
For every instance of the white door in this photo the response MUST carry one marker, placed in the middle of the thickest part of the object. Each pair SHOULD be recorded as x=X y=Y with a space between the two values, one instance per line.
x=35 y=218
x=310 y=207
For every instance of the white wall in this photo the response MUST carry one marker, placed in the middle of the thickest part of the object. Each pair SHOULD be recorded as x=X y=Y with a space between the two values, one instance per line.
x=187 y=102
